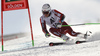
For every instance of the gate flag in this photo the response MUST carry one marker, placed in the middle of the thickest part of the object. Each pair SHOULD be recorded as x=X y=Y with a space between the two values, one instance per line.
x=14 y=4
x=8 y=5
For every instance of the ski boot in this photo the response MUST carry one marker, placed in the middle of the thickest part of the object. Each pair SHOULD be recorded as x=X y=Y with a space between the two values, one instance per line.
x=85 y=36
x=64 y=37
x=88 y=33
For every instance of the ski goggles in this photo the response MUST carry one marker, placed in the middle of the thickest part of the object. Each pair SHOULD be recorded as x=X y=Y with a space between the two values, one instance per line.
x=45 y=12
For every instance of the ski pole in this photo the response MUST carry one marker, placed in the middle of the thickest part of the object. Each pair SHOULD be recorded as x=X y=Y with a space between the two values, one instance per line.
x=81 y=24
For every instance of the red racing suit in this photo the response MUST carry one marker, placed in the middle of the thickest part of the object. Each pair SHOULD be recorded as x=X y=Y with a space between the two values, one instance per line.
x=54 y=18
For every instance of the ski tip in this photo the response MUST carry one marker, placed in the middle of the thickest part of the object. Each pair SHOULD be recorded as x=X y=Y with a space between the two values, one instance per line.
x=51 y=44
x=55 y=44
x=78 y=42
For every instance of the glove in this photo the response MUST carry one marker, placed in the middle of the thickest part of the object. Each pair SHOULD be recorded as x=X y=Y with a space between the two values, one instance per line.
x=58 y=25
x=47 y=35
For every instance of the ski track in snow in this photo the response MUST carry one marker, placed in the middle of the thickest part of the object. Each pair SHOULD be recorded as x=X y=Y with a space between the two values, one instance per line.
x=20 y=47
x=86 y=50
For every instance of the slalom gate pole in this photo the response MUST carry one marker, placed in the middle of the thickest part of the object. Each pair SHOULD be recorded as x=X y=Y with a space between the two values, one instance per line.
x=2 y=26
x=2 y=30
x=81 y=24
x=31 y=26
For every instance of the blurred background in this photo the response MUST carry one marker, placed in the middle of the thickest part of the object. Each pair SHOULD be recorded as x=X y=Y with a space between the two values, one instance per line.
x=76 y=12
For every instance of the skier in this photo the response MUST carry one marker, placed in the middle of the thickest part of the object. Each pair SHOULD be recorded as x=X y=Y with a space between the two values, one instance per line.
x=55 y=20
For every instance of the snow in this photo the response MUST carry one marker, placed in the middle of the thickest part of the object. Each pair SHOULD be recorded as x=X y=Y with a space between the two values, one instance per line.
x=75 y=10
x=23 y=47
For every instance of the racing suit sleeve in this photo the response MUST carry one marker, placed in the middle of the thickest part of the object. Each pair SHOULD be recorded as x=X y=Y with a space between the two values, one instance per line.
x=43 y=25
x=60 y=15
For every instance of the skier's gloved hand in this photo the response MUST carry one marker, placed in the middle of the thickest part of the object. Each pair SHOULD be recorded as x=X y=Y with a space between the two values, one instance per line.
x=58 y=25
x=47 y=35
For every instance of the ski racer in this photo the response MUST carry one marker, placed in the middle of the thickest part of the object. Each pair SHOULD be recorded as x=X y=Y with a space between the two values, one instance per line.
x=55 y=20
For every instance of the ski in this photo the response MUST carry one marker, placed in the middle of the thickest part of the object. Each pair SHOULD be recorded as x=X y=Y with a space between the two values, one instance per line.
x=78 y=42
x=62 y=43
x=54 y=44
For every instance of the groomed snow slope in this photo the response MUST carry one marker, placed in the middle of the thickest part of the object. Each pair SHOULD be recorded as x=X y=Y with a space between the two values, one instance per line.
x=23 y=47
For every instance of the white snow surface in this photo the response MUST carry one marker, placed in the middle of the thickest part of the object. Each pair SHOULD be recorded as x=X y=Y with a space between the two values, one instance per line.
x=23 y=47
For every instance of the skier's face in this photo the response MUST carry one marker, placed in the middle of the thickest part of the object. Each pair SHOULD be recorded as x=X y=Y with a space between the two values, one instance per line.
x=46 y=14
